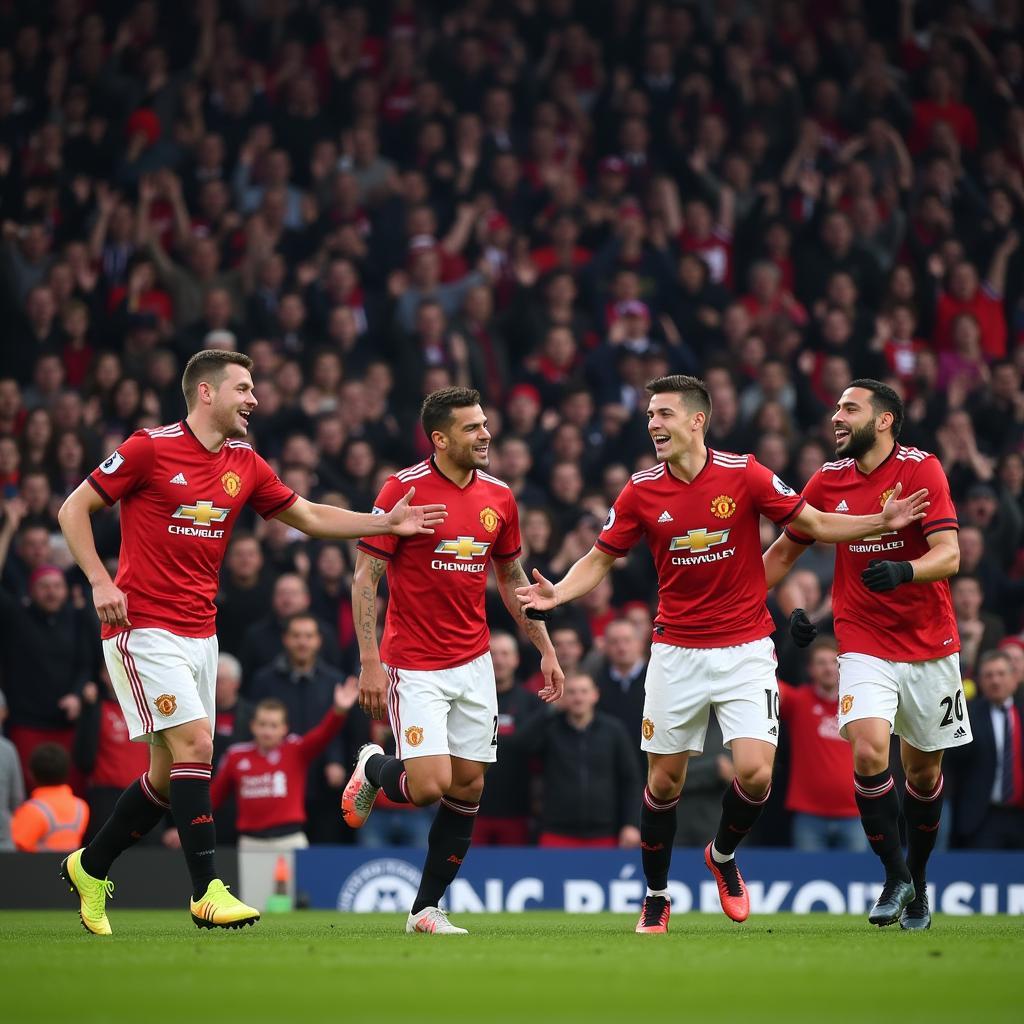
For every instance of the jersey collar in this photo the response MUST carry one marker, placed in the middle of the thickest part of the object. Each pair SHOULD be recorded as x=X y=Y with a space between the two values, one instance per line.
x=448 y=480
x=190 y=433
x=895 y=449
x=690 y=483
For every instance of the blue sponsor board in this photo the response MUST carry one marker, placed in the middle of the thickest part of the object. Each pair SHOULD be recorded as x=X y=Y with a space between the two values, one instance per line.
x=590 y=881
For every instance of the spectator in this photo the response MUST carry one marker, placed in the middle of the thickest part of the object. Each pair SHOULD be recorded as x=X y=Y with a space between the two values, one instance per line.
x=263 y=640
x=53 y=819
x=980 y=631
x=988 y=774
x=234 y=714
x=267 y=776
x=620 y=673
x=233 y=711
x=504 y=818
x=820 y=793
x=304 y=683
x=12 y=785
x=245 y=591
x=103 y=752
x=48 y=650
x=591 y=783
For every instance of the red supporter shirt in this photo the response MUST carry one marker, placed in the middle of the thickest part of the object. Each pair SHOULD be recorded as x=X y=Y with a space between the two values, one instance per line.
x=986 y=308
x=179 y=504
x=914 y=622
x=705 y=539
x=821 y=761
x=270 y=788
x=437 y=582
x=119 y=761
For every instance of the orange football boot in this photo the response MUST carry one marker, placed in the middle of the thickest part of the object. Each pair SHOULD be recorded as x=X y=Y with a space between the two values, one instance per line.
x=731 y=889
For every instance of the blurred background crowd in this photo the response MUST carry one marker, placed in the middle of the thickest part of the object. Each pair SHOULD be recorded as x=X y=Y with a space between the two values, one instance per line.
x=551 y=201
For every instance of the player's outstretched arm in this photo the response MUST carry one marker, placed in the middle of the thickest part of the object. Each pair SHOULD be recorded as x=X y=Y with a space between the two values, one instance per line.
x=939 y=562
x=780 y=558
x=837 y=528
x=511 y=578
x=582 y=577
x=76 y=525
x=330 y=523
x=373 y=680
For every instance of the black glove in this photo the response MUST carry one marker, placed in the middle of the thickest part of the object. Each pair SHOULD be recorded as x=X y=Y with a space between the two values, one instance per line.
x=881 y=575
x=801 y=629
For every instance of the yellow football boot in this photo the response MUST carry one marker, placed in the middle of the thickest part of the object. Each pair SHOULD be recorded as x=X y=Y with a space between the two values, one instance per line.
x=92 y=892
x=219 y=909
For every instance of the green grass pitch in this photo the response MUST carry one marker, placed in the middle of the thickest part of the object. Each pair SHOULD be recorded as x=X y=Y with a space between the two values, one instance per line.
x=535 y=967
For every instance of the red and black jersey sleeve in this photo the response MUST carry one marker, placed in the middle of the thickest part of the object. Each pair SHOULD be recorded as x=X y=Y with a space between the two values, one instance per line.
x=623 y=527
x=128 y=468
x=384 y=545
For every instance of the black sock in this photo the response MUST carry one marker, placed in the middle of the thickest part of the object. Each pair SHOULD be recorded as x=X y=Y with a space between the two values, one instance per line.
x=880 y=816
x=193 y=815
x=922 y=812
x=450 y=836
x=388 y=773
x=138 y=811
x=739 y=812
x=657 y=833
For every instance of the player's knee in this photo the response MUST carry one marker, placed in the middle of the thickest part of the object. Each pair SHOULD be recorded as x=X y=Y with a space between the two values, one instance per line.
x=160 y=781
x=664 y=785
x=469 y=790
x=923 y=777
x=755 y=779
x=196 y=747
x=869 y=758
x=425 y=791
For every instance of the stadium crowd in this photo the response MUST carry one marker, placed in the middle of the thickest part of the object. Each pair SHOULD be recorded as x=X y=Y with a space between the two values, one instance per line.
x=553 y=202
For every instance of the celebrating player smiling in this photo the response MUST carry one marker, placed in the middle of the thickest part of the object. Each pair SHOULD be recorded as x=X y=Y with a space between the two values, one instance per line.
x=699 y=511
x=182 y=488
x=433 y=672
x=899 y=670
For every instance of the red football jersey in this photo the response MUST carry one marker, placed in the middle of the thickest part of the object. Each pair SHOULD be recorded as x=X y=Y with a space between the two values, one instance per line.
x=437 y=582
x=271 y=787
x=914 y=622
x=179 y=504
x=821 y=761
x=706 y=543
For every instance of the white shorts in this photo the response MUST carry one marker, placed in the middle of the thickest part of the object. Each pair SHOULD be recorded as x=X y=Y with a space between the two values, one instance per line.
x=445 y=711
x=923 y=701
x=161 y=680
x=684 y=682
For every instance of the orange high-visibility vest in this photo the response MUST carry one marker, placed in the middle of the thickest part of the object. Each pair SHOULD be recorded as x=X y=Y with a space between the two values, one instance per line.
x=52 y=819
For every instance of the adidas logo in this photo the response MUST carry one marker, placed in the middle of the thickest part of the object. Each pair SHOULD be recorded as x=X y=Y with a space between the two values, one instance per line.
x=665 y=518
x=960 y=733
x=179 y=478
x=773 y=731
x=842 y=506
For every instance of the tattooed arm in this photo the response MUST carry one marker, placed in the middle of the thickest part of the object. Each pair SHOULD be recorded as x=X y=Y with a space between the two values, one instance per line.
x=510 y=576
x=373 y=680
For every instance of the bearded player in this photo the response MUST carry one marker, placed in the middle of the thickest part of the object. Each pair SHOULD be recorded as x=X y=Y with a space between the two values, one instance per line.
x=432 y=674
x=699 y=511
x=181 y=489
x=899 y=669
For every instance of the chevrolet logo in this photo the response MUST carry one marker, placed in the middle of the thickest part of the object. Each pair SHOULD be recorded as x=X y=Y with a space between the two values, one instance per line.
x=464 y=548
x=699 y=540
x=877 y=536
x=202 y=513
